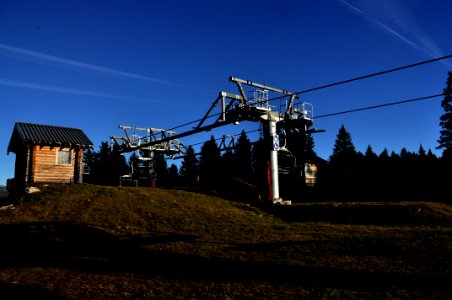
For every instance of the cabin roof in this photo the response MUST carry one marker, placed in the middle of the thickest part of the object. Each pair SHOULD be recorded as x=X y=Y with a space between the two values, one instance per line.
x=27 y=133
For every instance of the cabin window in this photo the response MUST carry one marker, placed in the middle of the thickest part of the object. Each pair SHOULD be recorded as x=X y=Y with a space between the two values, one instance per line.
x=64 y=157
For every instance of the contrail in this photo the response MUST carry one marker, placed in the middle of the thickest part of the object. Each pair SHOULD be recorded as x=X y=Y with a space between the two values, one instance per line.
x=389 y=29
x=83 y=65
x=71 y=91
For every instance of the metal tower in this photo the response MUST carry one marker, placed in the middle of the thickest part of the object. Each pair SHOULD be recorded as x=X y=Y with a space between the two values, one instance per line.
x=289 y=116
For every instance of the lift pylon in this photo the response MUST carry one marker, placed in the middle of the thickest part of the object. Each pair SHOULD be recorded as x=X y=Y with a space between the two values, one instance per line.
x=234 y=108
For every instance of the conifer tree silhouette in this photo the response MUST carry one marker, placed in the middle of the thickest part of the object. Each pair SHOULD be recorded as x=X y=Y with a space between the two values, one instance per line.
x=343 y=160
x=343 y=149
x=445 y=138
x=242 y=155
x=209 y=164
x=106 y=166
x=161 y=169
x=189 y=169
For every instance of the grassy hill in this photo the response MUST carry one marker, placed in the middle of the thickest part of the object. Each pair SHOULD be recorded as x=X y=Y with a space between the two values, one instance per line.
x=90 y=242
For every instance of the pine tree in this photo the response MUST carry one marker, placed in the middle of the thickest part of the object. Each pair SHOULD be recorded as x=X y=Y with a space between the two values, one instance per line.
x=173 y=175
x=343 y=148
x=407 y=170
x=445 y=139
x=343 y=161
x=384 y=155
x=309 y=146
x=189 y=169
x=394 y=156
x=431 y=156
x=209 y=164
x=421 y=152
x=161 y=169
x=242 y=156
x=101 y=172
x=108 y=166
x=370 y=154
x=226 y=172
x=370 y=172
x=404 y=154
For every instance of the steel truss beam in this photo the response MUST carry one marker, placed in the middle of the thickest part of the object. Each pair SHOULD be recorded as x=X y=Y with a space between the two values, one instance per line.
x=161 y=138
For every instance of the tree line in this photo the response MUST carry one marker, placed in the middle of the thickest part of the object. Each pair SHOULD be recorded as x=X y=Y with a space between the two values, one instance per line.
x=209 y=170
x=410 y=175
x=348 y=173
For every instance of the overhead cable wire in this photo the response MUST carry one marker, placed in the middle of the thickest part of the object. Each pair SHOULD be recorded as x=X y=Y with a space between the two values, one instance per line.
x=356 y=79
x=365 y=76
x=378 y=106
x=185 y=124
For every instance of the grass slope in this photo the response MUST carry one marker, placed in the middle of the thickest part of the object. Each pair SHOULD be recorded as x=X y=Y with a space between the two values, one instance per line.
x=89 y=242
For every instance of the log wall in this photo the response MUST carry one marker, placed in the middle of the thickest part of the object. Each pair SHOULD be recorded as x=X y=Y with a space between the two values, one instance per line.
x=45 y=167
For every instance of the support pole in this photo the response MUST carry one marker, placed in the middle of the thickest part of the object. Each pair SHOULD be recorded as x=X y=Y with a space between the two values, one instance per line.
x=274 y=173
x=274 y=176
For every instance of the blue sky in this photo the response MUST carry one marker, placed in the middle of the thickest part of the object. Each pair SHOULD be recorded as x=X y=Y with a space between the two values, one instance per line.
x=95 y=65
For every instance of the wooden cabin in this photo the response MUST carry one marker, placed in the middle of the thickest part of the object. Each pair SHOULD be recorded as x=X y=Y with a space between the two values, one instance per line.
x=47 y=154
